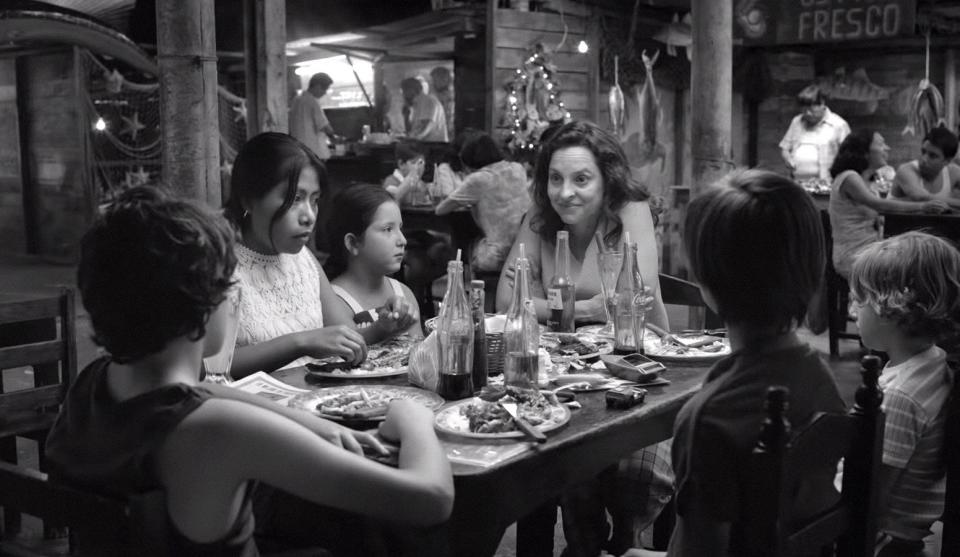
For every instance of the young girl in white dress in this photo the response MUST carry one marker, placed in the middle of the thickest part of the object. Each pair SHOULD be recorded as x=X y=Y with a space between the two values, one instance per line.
x=368 y=245
x=288 y=312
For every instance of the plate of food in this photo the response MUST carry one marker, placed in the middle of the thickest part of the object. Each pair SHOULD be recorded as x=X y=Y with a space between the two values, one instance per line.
x=476 y=418
x=584 y=382
x=686 y=348
x=361 y=402
x=387 y=359
x=566 y=347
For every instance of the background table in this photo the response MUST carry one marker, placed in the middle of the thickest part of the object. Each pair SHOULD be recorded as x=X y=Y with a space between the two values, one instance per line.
x=946 y=225
x=489 y=499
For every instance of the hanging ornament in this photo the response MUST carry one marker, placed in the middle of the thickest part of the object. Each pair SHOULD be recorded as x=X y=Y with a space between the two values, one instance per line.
x=533 y=101
x=114 y=81
x=241 y=110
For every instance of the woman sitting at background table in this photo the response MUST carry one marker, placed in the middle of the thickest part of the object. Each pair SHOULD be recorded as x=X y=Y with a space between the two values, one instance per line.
x=854 y=206
x=582 y=184
x=496 y=192
x=288 y=311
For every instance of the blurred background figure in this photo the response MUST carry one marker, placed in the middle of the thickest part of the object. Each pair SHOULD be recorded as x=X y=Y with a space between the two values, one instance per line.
x=442 y=89
x=813 y=138
x=308 y=123
x=423 y=114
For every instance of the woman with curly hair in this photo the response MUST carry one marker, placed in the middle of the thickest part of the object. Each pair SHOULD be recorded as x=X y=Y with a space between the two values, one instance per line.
x=854 y=206
x=907 y=292
x=582 y=184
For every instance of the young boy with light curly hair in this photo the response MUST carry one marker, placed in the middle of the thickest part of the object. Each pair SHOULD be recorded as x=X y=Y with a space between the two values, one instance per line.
x=907 y=291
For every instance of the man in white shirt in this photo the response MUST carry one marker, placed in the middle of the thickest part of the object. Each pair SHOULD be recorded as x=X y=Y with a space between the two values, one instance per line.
x=813 y=138
x=423 y=114
x=308 y=123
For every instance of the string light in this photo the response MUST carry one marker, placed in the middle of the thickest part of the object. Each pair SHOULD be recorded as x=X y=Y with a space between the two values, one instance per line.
x=583 y=47
x=100 y=125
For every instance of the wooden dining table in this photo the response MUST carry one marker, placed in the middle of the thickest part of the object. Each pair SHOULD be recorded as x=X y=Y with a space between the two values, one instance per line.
x=945 y=224
x=489 y=499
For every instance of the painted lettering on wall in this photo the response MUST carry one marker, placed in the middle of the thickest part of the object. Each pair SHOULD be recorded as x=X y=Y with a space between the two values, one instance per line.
x=823 y=21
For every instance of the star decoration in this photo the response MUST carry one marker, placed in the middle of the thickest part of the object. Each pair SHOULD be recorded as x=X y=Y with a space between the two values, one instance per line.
x=132 y=126
x=226 y=168
x=139 y=178
x=114 y=81
x=241 y=110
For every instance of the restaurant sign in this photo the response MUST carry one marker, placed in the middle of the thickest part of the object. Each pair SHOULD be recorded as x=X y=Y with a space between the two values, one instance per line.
x=764 y=22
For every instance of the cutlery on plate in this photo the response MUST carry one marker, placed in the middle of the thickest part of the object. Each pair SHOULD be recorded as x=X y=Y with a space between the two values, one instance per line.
x=524 y=425
x=666 y=337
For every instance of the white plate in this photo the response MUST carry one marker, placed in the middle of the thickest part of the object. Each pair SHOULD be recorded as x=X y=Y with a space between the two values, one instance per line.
x=358 y=373
x=656 y=350
x=312 y=400
x=450 y=420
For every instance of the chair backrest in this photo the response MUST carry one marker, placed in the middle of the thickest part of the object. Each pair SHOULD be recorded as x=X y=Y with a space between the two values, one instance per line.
x=780 y=460
x=679 y=292
x=951 y=507
x=40 y=333
x=102 y=525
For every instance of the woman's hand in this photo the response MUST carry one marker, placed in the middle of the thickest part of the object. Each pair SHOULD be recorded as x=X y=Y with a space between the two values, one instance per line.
x=397 y=315
x=405 y=417
x=336 y=340
x=935 y=206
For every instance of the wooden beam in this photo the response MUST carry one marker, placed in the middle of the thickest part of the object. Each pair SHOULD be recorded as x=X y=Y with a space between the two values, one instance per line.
x=491 y=68
x=186 y=47
x=711 y=91
x=950 y=89
x=264 y=45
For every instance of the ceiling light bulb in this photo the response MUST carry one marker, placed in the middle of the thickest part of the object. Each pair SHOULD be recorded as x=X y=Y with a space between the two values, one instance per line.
x=583 y=47
x=100 y=125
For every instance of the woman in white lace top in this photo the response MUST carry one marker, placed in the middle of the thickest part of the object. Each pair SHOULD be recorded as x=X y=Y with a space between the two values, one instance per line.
x=288 y=312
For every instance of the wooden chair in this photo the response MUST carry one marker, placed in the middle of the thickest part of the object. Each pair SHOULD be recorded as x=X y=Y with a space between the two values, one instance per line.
x=951 y=509
x=838 y=294
x=29 y=337
x=780 y=460
x=679 y=292
x=100 y=525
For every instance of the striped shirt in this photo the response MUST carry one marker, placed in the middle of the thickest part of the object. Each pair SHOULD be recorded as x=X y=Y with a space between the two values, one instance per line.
x=914 y=401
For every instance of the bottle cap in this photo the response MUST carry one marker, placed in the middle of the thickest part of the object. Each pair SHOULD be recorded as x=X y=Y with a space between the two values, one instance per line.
x=476 y=283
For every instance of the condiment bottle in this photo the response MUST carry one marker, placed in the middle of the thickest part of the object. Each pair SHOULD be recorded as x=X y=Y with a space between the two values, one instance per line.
x=521 y=333
x=479 y=334
x=560 y=294
x=455 y=338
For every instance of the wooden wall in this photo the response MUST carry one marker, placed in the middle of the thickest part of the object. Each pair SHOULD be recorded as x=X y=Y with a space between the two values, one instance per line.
x=59 y=204
x=12 y=228
x=517 y=31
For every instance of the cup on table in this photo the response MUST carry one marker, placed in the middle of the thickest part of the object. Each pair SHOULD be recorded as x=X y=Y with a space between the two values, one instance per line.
x=609 y=263
x=217 y=366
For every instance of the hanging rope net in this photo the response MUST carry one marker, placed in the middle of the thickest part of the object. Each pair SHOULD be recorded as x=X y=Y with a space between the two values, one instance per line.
x=124 y=124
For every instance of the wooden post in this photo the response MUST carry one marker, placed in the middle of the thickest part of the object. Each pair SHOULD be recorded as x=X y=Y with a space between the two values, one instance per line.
x=950 y=89
x=712 y=91
x=490 y=109
x=187 y=55
x=264 y=48
x=593 y=72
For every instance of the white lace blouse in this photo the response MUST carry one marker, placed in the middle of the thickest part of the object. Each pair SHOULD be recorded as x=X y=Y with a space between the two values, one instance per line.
x=279 y=295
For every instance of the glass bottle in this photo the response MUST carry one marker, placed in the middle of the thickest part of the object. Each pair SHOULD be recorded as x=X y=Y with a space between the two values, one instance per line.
x=479 y=334
x=521 y=333
x=629 y=307
x=560 y=294
x=455 y=338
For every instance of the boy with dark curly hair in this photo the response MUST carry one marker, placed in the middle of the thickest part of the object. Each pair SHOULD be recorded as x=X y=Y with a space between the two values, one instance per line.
x=907 y=292
x=154 y=273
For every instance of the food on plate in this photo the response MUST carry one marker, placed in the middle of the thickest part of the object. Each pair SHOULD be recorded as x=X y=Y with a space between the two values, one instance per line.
x=490 y=417
x=385 y=358
x=357 y=404
x=565 y=346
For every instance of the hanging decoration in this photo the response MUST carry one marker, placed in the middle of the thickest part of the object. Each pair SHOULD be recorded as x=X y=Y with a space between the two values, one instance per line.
x=533 y=101
x=124 y=119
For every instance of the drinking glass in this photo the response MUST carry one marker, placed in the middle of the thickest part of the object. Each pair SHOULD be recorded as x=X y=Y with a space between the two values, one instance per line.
x=217 y=366
x=609 y=264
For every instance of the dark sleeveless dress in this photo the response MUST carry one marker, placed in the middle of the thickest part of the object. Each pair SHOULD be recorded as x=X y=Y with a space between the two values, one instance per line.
x=111 y=447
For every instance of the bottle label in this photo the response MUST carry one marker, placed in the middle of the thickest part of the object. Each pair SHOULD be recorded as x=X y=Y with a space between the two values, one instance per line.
x=554 y=298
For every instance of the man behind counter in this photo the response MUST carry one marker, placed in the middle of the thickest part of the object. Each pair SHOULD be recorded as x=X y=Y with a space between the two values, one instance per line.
x=423 y=114
x=308 y=123
x=813 y=138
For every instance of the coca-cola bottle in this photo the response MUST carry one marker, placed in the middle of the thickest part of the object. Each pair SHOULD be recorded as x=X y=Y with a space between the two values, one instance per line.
x=560 y=294
x=455 y=338
x=629 y=307
x=521 y=334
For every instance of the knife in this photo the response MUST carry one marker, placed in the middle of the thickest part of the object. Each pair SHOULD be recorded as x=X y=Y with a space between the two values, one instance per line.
x=524 y=425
